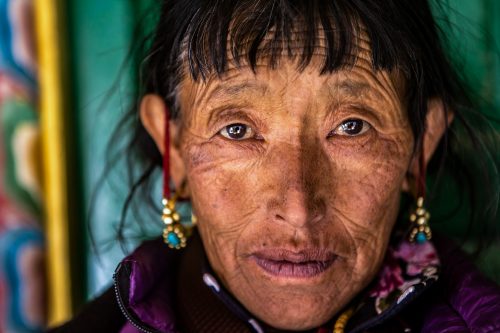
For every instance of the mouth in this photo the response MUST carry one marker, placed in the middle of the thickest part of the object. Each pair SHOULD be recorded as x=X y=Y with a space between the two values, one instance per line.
x=303 y=264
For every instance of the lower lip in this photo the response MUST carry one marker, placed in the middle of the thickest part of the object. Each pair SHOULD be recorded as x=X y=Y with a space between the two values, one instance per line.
x=283 y=268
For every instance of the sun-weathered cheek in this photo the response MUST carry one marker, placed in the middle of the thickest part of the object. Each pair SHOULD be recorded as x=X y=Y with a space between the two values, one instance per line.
x=224 y=189
x=367 y=187
x=369 y=176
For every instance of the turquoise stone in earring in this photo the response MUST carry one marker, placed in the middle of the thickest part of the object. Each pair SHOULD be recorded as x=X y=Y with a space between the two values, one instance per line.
x=173 y=239
x=421 y=237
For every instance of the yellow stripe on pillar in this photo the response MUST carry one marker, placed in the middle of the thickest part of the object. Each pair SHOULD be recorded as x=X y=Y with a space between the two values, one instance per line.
x=49 y=38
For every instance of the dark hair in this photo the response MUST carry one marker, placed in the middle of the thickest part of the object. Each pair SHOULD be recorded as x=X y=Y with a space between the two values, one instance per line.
x=202 y=38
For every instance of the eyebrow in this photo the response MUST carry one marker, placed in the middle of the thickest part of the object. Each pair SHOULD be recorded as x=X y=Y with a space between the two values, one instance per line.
x=235 y=90
x=353 y=88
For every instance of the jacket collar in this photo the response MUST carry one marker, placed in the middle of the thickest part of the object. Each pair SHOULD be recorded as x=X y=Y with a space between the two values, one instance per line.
x=145 y=282
x=409 y=269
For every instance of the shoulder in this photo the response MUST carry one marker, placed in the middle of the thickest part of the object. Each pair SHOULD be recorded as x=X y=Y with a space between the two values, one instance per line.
x=464 y=298
x=137 y=279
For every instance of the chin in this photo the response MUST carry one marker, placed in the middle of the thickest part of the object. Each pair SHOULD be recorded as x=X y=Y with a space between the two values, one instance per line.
x=295 y=307
x=290 y=299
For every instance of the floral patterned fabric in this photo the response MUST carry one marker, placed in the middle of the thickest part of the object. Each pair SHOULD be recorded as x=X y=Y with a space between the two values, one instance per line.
x=405 y=266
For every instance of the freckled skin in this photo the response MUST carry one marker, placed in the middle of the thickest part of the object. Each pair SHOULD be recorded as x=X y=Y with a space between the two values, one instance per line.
x=293 y=186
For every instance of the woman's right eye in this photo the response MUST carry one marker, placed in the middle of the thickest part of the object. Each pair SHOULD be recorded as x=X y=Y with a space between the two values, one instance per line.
x=237 y=132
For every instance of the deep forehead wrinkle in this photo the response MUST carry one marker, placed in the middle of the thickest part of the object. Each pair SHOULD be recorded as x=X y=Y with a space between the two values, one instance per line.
x=238 y=82
x=338 y=87
x=353 y=88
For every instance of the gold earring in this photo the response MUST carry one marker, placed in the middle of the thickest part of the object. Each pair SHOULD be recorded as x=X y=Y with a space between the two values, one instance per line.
x=174 y=234
x=420 y=231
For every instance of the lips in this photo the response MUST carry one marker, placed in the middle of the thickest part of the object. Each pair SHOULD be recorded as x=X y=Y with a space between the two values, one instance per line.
x=303 y=264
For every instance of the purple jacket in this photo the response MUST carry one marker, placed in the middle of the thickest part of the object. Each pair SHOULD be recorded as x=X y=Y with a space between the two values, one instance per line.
x=454 y=296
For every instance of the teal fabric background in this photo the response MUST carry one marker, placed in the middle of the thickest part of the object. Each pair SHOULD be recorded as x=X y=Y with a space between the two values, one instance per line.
x=473 y=31
x=104 y=83
x=104 y=80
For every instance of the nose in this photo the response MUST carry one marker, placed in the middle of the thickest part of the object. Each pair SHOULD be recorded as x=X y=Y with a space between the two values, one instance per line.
x=296 y=211
x=297 y=195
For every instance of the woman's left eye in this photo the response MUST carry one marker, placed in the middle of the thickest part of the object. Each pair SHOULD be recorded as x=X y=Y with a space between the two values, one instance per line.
x=351 y=127
x=237 y=132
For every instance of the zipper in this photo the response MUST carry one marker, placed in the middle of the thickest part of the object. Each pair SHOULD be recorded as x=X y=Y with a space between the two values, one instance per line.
x=122 y=305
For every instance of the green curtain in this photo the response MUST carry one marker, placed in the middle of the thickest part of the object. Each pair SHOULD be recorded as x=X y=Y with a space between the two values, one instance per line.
x=473 y=31
x=103 y=81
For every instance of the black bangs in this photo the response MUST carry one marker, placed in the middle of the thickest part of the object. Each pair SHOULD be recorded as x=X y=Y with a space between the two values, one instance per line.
x=205 y=37
x=227 y=32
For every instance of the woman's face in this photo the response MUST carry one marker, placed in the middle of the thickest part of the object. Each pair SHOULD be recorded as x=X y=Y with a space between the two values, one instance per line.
x=295 y=178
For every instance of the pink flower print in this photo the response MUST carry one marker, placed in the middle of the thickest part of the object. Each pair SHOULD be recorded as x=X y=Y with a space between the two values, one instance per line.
x=417 y=256
x=390 y=278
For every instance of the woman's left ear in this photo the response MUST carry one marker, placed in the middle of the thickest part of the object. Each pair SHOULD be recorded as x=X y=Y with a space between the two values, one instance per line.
x=152 y=114
x=437 y=122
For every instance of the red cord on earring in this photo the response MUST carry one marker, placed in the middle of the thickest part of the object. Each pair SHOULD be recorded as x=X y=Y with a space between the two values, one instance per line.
x=421 y=186
x=166 y=157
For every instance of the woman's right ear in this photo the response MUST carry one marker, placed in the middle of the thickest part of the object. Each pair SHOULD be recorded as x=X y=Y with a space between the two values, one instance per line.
x=152 y=114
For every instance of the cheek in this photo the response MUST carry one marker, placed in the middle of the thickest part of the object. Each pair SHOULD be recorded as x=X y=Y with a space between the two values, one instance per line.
x=223 y=194
x=367 y=193
x=220 y=179
x=369 y=179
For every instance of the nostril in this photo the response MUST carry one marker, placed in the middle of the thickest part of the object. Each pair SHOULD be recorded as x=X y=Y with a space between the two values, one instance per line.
x=317 y=218
x=279 y=217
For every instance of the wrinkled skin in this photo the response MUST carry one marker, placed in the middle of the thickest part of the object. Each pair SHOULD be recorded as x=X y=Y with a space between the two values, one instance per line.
x=295 y=182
